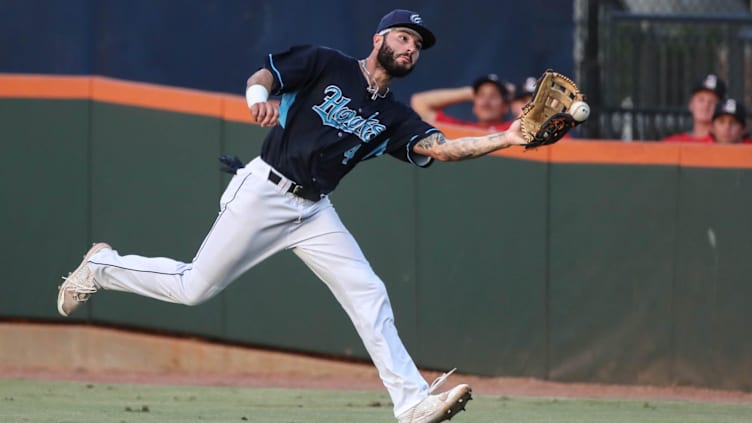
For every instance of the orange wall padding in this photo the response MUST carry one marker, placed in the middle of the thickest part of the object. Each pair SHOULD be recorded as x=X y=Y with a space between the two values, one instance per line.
x=233 y=108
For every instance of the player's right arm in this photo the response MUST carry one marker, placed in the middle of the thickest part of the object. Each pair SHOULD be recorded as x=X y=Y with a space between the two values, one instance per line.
x=428 y=103
x=258 y=87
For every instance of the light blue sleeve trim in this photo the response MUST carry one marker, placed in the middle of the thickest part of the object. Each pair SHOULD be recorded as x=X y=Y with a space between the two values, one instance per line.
x=419 y=159
x=279 y=76
x=284 y=106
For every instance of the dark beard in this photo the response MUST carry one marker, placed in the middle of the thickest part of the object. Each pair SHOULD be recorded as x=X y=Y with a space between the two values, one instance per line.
x=386 y=60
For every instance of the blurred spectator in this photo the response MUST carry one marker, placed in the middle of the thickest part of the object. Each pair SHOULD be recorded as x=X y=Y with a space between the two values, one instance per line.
x=523 y=93
x=489 y=96
x=729 y=123
x=705 y=95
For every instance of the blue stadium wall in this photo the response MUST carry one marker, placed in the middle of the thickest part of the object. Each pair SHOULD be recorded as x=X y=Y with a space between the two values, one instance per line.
x=216 y=44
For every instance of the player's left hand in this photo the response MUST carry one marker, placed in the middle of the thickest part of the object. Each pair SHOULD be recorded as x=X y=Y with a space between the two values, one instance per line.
x=515 y=135
x=265 y=114
x=556 y=107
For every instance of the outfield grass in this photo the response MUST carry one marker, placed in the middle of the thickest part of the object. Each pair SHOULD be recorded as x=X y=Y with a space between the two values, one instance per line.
x=35 y=401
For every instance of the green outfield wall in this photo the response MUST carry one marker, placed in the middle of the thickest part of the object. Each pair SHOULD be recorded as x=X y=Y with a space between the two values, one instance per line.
x=615 y=273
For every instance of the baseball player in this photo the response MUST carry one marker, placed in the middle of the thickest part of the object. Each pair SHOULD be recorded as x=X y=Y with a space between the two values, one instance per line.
x=335 y=111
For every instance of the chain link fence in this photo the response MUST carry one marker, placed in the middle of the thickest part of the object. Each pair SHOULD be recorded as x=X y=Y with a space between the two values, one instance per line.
x=638 y=59
x=699 y=7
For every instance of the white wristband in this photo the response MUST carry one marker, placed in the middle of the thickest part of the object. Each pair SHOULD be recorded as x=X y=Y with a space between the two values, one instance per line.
x=256 y=94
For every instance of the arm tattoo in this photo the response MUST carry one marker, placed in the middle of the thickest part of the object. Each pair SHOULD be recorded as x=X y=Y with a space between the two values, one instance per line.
x=428 y=142
x=472 y=147
x=439 y=147
x=496 y=135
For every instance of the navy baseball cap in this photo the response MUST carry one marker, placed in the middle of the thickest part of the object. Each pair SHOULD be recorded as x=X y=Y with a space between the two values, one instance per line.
x=494 y=79
x=733 y=108
x=526 y=88
x=407 y=19
x=713 y=83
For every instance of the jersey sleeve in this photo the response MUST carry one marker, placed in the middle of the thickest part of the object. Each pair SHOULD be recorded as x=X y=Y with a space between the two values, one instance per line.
x=294 y=68
x=406 y=136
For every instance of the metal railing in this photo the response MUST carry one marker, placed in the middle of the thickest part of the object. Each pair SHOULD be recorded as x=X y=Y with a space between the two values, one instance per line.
x=640 y=72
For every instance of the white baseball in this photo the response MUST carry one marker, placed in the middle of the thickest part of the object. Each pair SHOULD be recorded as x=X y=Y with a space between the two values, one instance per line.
x=579 y=111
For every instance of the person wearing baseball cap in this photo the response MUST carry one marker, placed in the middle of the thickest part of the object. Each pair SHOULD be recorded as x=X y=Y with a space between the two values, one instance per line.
x=705 y=95
x=729 y=123
x=488 y=94
x=712 y=83
x=336 y=111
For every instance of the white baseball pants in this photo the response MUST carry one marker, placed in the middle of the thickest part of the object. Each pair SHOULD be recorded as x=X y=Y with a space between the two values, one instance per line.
x=257 y=219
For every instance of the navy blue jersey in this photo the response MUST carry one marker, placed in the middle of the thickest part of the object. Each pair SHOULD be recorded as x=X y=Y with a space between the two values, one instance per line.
x=329 y=122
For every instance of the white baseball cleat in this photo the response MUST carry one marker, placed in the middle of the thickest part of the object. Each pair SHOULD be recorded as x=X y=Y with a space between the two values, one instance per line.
x=79 y=285
x=439 y=407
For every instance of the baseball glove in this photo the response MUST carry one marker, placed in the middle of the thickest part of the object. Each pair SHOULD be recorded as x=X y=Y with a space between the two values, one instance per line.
x=556 y=107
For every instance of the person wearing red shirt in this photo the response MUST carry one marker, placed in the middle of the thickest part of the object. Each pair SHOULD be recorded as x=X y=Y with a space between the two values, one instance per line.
x=489 y=96
x=705 y=95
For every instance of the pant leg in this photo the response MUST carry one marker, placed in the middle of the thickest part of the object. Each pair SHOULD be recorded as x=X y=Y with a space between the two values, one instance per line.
x=251 y=226
x=331 y=252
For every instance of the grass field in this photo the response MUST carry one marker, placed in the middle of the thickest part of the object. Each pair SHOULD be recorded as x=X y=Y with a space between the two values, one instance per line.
x=37 y=401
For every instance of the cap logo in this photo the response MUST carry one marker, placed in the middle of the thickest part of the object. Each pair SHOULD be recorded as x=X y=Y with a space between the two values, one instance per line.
x=530 y=84
x=711 y=82
x=730 y=106
x=416 y=19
